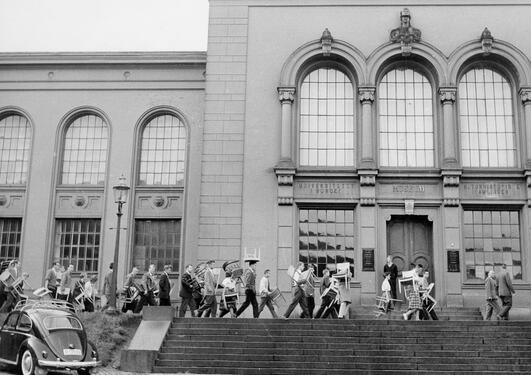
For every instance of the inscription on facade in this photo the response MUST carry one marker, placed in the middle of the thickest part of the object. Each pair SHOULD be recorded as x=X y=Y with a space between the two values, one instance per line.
x=409 y=188
x=492 y=190
x=324 y=189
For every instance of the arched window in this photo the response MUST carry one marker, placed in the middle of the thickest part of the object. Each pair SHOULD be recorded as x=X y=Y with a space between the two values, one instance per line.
x=326 y=136
x=163 y=152
x=15 y=147
x=85 y=151
x=405 y=103
x=486 y=119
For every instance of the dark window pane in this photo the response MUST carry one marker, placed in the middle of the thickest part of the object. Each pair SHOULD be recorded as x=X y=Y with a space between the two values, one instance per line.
x=157 y=242
x=493 y=242
x=75 y=243
x=10 y=230
x=330 y=247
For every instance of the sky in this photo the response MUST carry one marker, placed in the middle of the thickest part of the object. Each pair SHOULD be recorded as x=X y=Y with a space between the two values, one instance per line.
x=103 y=25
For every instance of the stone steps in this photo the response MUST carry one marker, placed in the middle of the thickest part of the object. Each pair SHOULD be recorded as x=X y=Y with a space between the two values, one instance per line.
x=305 y=346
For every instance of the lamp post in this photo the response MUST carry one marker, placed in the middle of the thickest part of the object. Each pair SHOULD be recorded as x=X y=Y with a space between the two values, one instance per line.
x=120 y=196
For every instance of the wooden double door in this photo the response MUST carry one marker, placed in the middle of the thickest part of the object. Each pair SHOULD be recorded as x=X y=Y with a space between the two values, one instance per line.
x=410 y=242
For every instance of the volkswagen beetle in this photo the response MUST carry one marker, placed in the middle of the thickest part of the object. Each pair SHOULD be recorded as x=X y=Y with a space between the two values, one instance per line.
x=42 y=336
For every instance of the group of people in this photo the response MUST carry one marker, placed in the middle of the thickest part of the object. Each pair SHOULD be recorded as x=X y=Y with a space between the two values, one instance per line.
x=416 y=291
x=501 y=286
x=199 y=293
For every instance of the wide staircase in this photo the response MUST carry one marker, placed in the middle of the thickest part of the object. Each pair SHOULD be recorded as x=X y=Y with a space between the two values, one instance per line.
x=374 y=346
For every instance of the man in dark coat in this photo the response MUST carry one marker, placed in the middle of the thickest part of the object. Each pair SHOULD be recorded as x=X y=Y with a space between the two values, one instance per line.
x=393 y=275
x=505 y=291
x=165 y=287
x=186 y=292
x=249 y=280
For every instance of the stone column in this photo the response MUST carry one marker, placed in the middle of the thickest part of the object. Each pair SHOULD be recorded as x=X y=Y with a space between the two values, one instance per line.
x=366 y=95
x=525 y=95
x=286 y=96
x=447 y=96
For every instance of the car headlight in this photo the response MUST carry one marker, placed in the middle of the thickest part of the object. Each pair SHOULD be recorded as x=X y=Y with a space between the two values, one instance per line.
x=44 y=354
x=94 y=354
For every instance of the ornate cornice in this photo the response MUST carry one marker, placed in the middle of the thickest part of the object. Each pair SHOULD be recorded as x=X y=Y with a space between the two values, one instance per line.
x=286 y=94
x=447 y=94
x=366 y=94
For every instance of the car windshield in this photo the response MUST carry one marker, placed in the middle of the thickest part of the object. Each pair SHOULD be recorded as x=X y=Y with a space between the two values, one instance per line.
x=61 y=322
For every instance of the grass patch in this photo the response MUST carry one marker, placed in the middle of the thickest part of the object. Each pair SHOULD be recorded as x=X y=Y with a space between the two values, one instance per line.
x=109 y=333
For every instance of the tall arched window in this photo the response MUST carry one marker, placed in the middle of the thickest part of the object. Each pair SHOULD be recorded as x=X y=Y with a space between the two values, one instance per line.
x=486 y=119
x=163 y=151
x=15 y=147
x=405 y=103
x=85 y=151
x=162 y=161
x=326 y=136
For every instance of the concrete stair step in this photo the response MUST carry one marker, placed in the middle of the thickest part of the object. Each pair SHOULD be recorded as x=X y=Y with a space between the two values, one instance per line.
x=350 y=365
x=187 y=349
x=355 y=346
x=294 y=339
x=284 y=371
x=439 y=332
x=320 y=357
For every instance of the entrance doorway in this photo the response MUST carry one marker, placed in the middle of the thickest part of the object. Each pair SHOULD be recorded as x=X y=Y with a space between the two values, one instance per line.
x=409 y=242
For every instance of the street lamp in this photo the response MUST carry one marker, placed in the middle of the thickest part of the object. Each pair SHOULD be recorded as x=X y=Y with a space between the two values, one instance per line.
x=120 y=196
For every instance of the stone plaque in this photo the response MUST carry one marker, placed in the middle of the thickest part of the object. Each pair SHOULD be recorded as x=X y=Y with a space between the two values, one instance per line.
x=492 y=190
x=453 y=261
x=325 y=190
x=367 y=260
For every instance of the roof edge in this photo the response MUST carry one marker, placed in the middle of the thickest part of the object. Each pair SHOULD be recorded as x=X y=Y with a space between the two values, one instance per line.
x=90 y=58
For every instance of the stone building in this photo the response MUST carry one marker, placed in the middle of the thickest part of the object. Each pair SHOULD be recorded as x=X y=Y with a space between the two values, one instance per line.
x=322 y=131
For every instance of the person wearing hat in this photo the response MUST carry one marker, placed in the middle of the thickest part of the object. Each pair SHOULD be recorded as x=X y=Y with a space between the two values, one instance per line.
x=249 y=280
x=209 y=302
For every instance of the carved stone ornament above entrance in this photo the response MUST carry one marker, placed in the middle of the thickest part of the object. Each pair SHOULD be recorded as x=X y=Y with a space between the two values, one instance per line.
x=326 y=42
x=486 y=41
x=405 y=34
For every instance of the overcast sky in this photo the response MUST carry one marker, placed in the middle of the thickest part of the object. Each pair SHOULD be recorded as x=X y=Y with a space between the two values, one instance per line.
x=103 y=25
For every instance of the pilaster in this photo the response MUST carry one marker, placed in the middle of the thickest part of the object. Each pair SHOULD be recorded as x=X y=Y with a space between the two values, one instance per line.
x=366 y=97
x=447 y=95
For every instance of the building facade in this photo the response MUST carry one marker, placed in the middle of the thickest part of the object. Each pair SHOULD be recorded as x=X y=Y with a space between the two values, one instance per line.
x=326 y=132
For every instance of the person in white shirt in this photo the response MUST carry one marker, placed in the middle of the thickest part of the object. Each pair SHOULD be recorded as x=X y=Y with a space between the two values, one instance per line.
x=386 y=292
x=229 y=297
x=298 y=294
x=89 y=294
x=265 y=295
